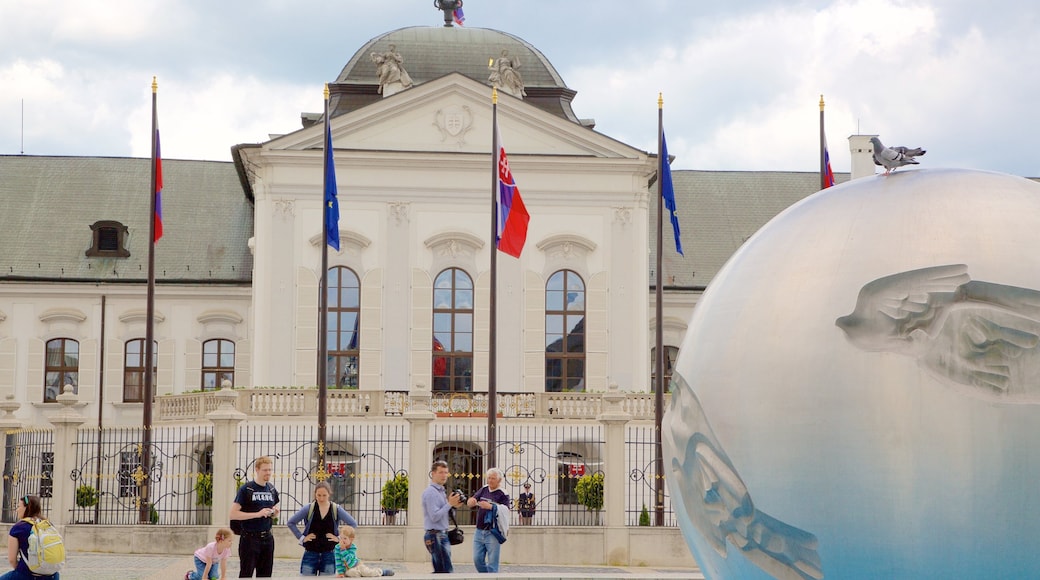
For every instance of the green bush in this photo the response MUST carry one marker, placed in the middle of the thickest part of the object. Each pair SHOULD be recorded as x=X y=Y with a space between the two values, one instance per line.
x=86 y=496
x=644 y=517
x=395 y=494
x=590 y=491
x=204 y=489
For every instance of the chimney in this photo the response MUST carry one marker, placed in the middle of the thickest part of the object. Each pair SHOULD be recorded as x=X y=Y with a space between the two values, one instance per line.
x=862 y=154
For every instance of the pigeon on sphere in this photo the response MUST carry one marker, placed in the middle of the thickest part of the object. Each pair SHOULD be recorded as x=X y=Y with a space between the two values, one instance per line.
x=892 y=157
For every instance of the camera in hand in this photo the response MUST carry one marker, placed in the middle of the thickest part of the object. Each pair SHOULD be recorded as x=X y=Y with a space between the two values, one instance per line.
x=462 y=496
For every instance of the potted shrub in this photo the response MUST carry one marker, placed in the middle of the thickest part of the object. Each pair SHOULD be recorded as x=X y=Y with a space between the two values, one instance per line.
x=644 y=517
x=203 y=498
x=394 y=497
x=86 y=496
x=590 y=493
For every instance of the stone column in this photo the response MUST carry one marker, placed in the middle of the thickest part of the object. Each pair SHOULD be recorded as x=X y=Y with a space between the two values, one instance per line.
x=419 y=417
x=614 y=418
x=66 y=421
x=225 y=419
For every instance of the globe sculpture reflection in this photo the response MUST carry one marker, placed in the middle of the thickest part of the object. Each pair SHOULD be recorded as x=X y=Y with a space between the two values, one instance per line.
x=858 y=392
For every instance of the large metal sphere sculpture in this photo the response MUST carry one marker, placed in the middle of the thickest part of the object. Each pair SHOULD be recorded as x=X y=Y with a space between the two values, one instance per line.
x=858 y=392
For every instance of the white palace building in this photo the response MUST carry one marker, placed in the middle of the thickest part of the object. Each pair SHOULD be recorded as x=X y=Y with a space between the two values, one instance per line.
x=236 y=305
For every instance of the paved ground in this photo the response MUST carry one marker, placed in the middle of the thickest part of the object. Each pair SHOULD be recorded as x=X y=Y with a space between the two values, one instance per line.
x=98 y=566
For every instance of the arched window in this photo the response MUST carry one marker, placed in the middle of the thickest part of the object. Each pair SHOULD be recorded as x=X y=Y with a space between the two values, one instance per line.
x=453 y=331
x=218 y=363
x=61 y=367
x=670 y=352
x=343 y=324
x=134 y=369
x=565 y=333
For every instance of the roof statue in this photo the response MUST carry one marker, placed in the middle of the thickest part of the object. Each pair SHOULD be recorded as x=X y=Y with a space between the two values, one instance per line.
x=505 y=75
x=448 y=7
x=392 y=76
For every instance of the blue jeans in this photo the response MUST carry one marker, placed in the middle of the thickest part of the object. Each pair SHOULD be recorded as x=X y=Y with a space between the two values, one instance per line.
x=200 y=567
x=318 y=564
x=485 y=551
x=439 y=547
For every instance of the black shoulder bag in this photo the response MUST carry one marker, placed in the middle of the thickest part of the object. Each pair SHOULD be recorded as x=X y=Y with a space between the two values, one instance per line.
x=455 y=535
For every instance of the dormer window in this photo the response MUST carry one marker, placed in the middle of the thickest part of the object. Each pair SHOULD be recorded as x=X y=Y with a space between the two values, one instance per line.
x=109 y=240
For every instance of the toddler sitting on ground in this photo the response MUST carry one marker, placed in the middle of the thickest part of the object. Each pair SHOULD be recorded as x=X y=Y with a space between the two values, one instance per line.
x=347 y=564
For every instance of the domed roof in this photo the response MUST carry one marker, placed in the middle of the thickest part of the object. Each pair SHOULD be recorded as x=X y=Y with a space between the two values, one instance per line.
x=430 y=52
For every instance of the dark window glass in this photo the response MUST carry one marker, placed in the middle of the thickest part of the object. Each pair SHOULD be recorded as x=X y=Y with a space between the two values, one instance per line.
x=61 y=367
x=134 y=369
x=453 y=331
x=218 y=363
x=670 y=352
x=565 y=332
x=343 y=326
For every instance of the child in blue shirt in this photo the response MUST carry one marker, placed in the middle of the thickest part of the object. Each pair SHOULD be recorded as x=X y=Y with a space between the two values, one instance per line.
x=347 y=563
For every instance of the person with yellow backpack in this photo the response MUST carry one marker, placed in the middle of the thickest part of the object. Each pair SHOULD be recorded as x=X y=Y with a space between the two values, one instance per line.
x=34 y=549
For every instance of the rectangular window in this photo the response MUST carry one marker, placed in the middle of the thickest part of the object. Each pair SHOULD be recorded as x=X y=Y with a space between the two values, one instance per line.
x=129 y=463
x=46 y=474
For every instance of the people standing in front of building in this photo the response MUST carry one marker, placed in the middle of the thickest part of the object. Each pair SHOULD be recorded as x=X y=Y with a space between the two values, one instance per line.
x=526 y=504
x=487 y=500
x=436 y=505
x=256 y=504
x=321 y=530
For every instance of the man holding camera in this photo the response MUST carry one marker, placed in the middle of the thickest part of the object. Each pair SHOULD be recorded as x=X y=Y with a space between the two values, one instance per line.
x=487 y=500
x=436 y=505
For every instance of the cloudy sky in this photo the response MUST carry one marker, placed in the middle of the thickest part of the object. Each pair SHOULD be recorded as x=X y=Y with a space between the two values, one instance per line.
x=741 y=81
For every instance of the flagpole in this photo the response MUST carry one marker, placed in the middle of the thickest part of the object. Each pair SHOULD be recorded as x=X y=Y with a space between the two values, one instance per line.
x=492 y=302
x=823 y=151
x=323 y=298
x=143 y=477
x=659 y=326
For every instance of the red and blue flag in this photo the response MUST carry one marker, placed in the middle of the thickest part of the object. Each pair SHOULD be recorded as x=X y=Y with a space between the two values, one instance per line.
x=512 y=214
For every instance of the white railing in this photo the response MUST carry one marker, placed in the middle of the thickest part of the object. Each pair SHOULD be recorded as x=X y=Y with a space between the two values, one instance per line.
x=289 y=402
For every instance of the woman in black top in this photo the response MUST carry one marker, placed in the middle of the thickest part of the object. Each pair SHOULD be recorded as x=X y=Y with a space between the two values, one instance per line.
x=320 y=532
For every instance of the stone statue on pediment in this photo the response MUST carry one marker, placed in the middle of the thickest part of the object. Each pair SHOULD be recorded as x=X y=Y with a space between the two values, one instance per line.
x=390 y=69
x=505 y=75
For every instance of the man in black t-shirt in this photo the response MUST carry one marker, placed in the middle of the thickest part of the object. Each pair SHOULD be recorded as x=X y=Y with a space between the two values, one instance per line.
x=256 y=504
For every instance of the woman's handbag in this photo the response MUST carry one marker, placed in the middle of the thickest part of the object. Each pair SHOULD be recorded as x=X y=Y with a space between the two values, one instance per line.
x=455 y=535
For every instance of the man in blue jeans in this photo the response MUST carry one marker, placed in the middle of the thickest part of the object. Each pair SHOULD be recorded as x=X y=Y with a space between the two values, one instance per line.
x=485 y=545
x=436 y=505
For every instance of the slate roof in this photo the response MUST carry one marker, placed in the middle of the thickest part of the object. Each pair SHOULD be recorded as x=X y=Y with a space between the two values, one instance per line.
x=49 y=204
x=718 y=211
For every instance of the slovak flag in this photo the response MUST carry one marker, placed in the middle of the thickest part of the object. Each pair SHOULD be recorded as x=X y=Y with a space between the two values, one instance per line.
x=158 y=190
x=458 y=15
x=512 y=215
x=828 y=175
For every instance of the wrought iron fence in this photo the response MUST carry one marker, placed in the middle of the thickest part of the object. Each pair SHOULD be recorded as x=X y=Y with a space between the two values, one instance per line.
x=28 y=468
x=641 y=460
x=552 y=458
x=109 y=476
x=359 y=459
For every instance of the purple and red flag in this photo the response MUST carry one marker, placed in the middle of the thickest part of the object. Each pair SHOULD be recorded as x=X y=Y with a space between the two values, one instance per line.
x=458 y=15
x=512 y=214
x=158 y=190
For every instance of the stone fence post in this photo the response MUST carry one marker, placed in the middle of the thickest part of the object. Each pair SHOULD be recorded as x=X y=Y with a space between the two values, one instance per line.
x=419 y=417
x=614 y=418
x=225 y=419
x=67 y=421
